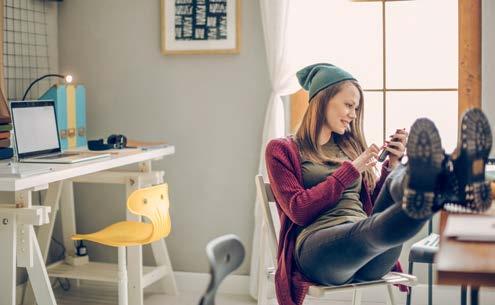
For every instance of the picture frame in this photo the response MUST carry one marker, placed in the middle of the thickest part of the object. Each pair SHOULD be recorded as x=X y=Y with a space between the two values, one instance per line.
x=200 y=26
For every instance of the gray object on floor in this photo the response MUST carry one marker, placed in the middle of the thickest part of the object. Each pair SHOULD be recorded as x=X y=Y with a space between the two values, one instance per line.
x=225 y=254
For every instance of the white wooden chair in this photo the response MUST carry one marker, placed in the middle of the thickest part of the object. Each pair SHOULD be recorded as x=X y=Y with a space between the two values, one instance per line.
x=267 y=274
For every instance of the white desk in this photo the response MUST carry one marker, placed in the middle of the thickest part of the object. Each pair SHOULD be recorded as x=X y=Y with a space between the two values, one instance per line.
x=20 y=247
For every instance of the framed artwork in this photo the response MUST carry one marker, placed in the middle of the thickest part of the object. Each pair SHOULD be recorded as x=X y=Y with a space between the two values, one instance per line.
x=200 y=26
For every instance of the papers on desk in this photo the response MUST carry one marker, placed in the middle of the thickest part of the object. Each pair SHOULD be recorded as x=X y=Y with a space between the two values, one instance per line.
x=490 y=172
x=144 y=145
x=471 y=227
x=20 y=170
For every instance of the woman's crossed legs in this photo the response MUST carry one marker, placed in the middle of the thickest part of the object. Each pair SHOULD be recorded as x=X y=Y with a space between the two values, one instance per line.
x=368 y=249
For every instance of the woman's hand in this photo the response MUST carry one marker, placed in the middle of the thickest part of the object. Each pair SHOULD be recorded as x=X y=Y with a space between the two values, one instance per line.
x=367 y=159
x=396 y=146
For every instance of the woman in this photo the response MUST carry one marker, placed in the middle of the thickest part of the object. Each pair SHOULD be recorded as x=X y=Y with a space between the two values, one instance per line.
x=339 y=222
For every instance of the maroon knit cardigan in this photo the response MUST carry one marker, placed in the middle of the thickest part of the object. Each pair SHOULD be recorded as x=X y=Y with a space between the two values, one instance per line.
x=300 y=207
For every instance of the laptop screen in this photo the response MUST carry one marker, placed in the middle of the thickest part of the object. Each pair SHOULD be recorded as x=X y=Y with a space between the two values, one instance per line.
x=35 y=127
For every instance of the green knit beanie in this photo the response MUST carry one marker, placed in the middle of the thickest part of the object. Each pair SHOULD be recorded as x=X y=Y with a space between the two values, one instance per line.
x=317 y=77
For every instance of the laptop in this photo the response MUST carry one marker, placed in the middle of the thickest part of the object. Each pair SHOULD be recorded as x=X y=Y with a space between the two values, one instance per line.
x=36 y=134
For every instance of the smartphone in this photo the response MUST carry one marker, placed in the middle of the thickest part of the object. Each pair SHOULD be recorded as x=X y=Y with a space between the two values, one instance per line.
x=383 y=155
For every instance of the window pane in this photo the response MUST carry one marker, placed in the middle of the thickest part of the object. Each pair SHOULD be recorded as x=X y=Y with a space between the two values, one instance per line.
x=422 y=44
x=403 y=108
x=373 y=118
x=344 y=33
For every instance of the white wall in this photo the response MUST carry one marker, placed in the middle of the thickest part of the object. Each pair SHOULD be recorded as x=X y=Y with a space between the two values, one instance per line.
x=210 y=107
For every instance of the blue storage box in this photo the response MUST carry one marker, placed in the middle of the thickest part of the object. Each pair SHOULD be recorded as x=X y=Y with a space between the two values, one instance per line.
x=70 y=107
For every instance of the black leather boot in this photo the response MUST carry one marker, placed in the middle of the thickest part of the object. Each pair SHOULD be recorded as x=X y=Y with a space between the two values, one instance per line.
x=425 y=160
x=447 y=189
x=466 y=185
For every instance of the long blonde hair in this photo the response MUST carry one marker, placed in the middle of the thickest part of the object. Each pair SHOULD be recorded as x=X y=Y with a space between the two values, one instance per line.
x=352 y=142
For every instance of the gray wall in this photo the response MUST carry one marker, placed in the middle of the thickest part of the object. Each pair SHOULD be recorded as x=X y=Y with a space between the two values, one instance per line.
x=210 y=107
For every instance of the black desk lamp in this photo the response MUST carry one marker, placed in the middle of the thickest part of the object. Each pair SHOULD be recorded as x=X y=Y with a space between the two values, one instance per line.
x=68 y=79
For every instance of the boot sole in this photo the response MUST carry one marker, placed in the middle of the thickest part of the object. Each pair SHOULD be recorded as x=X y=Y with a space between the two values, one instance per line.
x=425 y=156
x=475 y=137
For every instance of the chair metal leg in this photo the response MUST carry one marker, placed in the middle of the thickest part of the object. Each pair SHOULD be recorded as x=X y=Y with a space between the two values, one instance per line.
x=463 y=295
x=430 y=268
x=430 y=284
x=409 y=294
x=391 y=298
x=357 y=296
x=122 y=277
x=475 y=295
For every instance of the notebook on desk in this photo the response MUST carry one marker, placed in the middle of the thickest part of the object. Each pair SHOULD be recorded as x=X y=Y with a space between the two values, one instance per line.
x=36 y=135
x=145 y=145
x=471 y=228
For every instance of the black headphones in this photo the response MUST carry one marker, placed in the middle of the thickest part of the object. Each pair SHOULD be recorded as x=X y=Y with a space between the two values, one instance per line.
x=114 y=141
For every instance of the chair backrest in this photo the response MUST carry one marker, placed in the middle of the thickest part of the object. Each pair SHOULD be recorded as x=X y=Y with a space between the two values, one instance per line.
x=225 y=254
x=266 y=199
x=152 y=203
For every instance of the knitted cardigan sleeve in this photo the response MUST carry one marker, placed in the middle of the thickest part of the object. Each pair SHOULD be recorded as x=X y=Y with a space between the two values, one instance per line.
x=301 y=205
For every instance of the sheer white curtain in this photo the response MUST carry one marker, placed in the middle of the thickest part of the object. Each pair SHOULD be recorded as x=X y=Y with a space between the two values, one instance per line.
x=275 y=18
x=299 y=33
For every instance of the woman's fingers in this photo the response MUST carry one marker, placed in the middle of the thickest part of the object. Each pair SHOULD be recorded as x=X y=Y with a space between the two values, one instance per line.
x=399 y=137
x=372 y=149
x=370 y=155
x=396 y=152
x=371 y=164
x=397 y=145
x=400 y=134
x=367 y=159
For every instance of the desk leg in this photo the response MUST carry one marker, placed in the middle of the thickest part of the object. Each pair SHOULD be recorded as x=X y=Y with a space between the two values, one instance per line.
x=160 y=253
x=474 y=295
x=134 y=257
x=463 y=295
x=145 y=166
x=68 y=220
x=45 y=232
x=68 y=216
x=38 y=276
x=167 y=284
x=430 y=284
x=8 y=259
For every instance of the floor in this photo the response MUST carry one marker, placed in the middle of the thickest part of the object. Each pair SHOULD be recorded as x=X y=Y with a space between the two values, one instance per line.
x=92 y=293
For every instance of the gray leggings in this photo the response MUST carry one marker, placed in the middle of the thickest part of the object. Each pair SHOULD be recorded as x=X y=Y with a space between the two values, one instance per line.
x=362 y=251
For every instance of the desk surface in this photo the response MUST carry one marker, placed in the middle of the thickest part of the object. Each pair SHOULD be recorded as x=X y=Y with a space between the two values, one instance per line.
x=460 y=262
x=68 y=171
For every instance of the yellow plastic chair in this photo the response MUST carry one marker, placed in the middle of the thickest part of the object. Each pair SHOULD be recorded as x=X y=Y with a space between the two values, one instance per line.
x=151 y=202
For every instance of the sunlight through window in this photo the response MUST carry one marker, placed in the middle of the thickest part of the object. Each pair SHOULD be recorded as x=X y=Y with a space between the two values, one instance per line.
x=421 y=57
